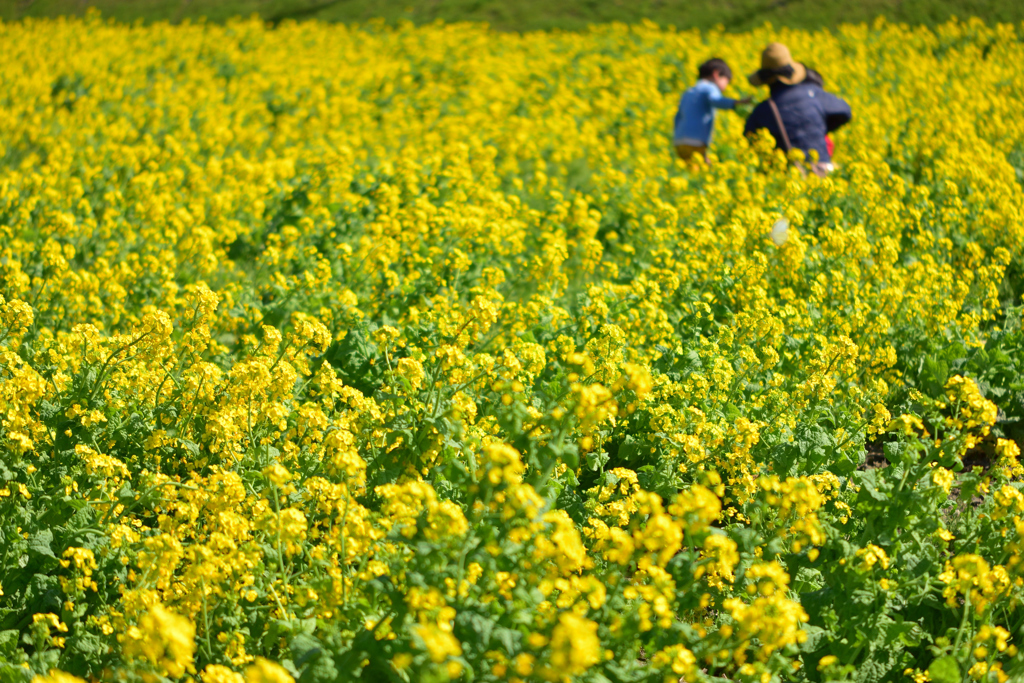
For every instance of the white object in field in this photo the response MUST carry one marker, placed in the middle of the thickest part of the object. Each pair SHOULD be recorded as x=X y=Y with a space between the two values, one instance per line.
x=780 y=232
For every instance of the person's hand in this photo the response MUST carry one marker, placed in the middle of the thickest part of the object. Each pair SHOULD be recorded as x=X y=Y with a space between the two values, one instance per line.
x=746 y=100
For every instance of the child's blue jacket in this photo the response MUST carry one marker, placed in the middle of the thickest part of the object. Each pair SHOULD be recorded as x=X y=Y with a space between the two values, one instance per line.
x=695 y=119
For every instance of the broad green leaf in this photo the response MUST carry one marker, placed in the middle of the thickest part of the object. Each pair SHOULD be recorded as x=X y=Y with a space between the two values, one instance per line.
x=945 y=670
x=40 y=543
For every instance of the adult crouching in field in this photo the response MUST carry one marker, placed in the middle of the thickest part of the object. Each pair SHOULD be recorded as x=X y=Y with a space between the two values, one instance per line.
x=799 y=113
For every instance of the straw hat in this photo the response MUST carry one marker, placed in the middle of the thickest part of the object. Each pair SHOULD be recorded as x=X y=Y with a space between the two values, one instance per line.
x=777 y=64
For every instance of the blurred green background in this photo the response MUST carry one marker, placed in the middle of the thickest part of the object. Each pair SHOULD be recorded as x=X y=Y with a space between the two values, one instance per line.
x=522 y=15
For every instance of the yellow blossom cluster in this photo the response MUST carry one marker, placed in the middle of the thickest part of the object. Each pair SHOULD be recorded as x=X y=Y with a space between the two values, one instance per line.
x=401 y=353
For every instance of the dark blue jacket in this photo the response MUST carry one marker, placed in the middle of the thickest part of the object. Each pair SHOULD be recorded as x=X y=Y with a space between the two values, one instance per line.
x=808 y=112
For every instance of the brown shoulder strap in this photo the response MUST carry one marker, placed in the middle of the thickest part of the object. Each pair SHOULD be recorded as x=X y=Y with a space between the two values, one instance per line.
x=785 y=140
x=782 y=126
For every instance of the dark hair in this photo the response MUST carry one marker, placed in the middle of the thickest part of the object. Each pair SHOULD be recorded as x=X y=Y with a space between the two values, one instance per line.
x=712 y=66
x=815 y=78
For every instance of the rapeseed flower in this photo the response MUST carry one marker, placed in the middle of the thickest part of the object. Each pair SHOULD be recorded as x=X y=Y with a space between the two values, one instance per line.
x=434 y=362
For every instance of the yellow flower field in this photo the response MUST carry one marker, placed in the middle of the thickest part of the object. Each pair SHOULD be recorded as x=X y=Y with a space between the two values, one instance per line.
x=413 y=354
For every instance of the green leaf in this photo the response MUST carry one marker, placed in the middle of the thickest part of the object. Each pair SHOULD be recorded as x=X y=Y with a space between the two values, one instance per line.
x=8 y=642
x=896 y=452
x=40 y=543
x=945 y=670
x=507 y=637
x=935 y=374
x=870 y=488
x=190 y=446
x=815 y=638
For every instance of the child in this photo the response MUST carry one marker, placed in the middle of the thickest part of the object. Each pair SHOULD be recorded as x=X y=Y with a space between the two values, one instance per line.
x=695 y=120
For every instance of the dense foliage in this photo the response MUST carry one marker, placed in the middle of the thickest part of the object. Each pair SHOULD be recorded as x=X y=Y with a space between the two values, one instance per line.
x=413 y=354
